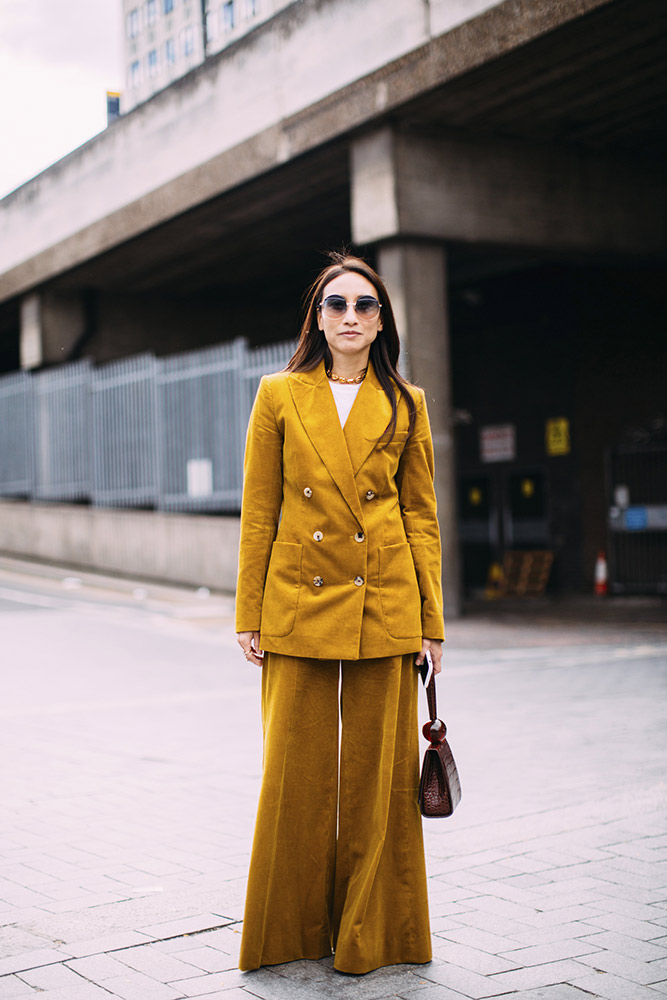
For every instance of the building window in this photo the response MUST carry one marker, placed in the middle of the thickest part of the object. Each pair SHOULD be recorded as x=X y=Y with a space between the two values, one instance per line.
x=151 y=11
x=209 y=26
x=227 y=16
x=167 y=6
x=152 y=62
x=135 y=73
x=169 y=52
x=251 y=8
x=188 y=41
x=113 y=106
x=132 y=25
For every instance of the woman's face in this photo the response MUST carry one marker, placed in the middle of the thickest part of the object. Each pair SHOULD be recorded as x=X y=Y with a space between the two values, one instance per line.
x=350 y=336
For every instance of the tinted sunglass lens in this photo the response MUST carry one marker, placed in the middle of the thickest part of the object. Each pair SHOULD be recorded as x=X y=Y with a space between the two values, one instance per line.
x=335 y=305
x=366 y=306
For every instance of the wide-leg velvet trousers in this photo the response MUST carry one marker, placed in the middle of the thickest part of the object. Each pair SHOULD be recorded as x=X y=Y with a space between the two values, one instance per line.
x=338 y=857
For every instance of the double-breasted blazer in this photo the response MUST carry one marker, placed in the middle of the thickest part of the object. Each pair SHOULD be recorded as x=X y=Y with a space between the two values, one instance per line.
x=340 y=546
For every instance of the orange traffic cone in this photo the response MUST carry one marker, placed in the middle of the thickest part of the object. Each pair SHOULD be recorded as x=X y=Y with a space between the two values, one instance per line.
x=601 y=588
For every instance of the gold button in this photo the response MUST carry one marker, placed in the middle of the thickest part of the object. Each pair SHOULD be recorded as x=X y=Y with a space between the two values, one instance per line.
x=370 y=494
x=359 y=537
x=318 y=536
x=308 y=492
x=317 y=581
x=358 y=581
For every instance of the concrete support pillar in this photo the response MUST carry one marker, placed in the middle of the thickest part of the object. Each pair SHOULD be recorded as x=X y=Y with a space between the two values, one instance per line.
x=416 y=276
x=30 y=338
x=50 y=326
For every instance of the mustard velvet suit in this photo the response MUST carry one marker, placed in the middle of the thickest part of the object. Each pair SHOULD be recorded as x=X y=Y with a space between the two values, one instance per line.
x=339 y=571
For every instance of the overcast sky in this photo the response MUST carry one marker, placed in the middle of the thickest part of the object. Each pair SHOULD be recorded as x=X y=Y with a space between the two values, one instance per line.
x=57 y=60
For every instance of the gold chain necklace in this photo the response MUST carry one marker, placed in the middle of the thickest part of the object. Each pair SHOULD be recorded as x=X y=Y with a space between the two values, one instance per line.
x=347 y=381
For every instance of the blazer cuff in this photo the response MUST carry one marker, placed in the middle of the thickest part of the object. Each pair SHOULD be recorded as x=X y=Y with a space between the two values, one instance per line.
x=433 y=630
x=246 y=625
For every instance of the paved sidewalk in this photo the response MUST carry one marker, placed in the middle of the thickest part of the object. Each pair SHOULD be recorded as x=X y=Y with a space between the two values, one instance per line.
x=130 y=740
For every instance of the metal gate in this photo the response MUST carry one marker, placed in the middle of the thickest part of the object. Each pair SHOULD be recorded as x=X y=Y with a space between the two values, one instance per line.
x=501 y=509
x=637 y=499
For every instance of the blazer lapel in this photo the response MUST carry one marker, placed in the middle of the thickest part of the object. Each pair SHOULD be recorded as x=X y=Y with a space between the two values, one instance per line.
x=370 y=414
x=317 y=410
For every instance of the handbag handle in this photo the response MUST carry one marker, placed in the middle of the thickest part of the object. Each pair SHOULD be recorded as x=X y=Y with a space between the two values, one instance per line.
x=431 y=698
x=435 y=730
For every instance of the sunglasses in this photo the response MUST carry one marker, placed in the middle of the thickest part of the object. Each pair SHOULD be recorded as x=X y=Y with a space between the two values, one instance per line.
x=335 y=307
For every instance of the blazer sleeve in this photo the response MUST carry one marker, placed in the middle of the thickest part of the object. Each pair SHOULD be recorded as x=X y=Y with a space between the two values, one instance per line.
x=418 y=507
x=260 y=509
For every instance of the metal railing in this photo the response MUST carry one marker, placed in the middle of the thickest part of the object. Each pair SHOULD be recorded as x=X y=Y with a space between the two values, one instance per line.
x=61 y=432
x=125 y=433
x=167 y=433
x=17 y=412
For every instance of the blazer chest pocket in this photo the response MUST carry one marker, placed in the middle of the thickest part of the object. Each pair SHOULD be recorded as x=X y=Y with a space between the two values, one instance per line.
x=281 y=592
x=399 y=592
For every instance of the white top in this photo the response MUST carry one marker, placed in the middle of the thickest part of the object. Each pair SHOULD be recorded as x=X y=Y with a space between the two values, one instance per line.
x=344 y=396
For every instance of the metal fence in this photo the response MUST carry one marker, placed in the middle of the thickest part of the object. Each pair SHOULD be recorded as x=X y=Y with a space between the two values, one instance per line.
x=61 y=429
x=17 y=461
x=167 y=433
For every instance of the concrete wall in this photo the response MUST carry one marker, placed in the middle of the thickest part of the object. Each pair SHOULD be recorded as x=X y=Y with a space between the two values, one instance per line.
x=275 y=71
x=176 y=548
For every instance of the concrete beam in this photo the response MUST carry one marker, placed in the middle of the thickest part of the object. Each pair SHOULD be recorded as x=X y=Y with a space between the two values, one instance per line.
x=504 y=192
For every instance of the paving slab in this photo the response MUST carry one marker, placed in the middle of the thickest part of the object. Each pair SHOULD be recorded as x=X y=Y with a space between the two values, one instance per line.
x=132 y=728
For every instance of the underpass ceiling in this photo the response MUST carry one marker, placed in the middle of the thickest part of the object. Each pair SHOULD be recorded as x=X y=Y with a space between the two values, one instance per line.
x=597 y=82
x=266 y=225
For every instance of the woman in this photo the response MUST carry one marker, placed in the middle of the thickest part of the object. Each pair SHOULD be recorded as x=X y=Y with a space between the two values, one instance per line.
x=339 y=583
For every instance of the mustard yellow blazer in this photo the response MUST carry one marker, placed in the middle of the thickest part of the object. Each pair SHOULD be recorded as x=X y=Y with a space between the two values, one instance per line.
x=340 y=545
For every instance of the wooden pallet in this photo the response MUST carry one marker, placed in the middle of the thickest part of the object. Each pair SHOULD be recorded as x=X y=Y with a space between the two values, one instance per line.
x=526 y=573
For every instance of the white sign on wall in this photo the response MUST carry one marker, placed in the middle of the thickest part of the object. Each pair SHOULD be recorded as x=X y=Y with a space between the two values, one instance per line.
x=497 y=443
x=200 y=477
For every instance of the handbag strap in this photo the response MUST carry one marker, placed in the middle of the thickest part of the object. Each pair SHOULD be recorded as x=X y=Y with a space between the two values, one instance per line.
x=431 y=698
x=435 y=730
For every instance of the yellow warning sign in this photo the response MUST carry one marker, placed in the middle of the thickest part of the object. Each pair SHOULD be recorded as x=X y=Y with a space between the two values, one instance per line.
x=557 y=436
x=495 y=582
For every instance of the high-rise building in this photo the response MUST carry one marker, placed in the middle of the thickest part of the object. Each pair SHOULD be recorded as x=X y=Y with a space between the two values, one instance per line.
x=164 y=39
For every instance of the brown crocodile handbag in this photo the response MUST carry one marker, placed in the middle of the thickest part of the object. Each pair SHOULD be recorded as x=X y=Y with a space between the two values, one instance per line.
x=439 y=788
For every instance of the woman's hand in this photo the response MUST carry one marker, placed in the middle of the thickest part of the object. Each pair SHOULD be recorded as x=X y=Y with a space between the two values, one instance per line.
x=435 y=648
x=249 y=643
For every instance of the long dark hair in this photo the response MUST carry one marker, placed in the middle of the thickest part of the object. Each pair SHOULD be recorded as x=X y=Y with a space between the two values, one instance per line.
x=312 y=346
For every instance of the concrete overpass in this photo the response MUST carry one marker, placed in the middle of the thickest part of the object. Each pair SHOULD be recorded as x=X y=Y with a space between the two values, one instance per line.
x=449 y=139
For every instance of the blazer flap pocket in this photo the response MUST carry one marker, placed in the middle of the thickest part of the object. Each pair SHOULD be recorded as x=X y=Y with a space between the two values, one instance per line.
x=399 y=591
x=281 y=592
